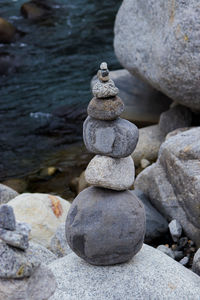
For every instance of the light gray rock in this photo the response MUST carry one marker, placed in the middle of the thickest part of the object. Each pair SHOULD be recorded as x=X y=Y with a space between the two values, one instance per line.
x=156 y=225
x=184 y=261
x=116 y=138
x=149 y=275
x=158 y=41
x=40 y=286
x=143 y=104
x=7 y=217
x=6 y=194
x=15 y=263
x=59 y=245
x=42 y=254
x=173 y=182
x=105 y=109
x=150 y=139
x=174 y=118
x=105 y=227
x=112 y=173
x=14 y=238
x=166 y=250
x=196 y=262
x=105 y=89
x=175 y=229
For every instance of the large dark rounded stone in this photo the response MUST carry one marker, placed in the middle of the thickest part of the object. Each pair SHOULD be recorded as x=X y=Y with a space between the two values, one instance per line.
x=105 y=227
x=116 y=138
x=105 y=109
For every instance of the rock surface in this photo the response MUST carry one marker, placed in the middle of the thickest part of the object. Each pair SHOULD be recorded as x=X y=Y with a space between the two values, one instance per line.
x=116 y=138
x=59 y=244
x=42 y=254
x=7 y=217
x=156 y=225
x=149 y=275
x=7 y=31
x=196 y=262
x=143 y=104
x=175 y=229
x=105 y=227
x=166 y=250
x=6 y=194
x=150 y=139
x=40 y=286
x=112 y=173
x=35 y=10
x=162 y=48
x=43 y=212
x=105 y=89
x=173 y=183
x=105 y=109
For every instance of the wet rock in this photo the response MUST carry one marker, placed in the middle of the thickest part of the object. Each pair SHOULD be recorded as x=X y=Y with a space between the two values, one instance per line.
x=105 y=109
x=112 y=173
x=35 y=10
x=17 y=184
x=105 y=227
x=174 y=118
x=175 y=229
x=156 y=225
x=184 y=261
x=43 y=212
x=59 y=245
x=7 y=217
x=166 y=250
x=162 y=47
x=169 y=182
x=196 y=262
x=40 y=286
x=116 y=138
x=6 y=193
x=7 y=31
x=149 y=275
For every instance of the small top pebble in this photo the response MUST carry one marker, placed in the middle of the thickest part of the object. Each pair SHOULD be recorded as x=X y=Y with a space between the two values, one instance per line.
x=103 y=66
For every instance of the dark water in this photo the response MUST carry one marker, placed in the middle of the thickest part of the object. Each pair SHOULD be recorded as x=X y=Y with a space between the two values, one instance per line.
x=57 y=58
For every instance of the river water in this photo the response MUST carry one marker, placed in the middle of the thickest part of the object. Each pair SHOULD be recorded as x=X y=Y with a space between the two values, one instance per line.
x=56 y=59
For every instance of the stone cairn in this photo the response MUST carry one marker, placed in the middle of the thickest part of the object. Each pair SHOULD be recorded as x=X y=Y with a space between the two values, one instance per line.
x=106 y=222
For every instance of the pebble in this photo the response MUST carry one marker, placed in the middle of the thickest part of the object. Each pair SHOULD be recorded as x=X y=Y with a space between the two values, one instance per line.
x=105 y=89
x=105 y=227
x=116 y=138
x=103 y=66
x=184 y=261
x=166 y=250
x=14 y=238
x=175 y=229
x=105 y=109
x=7 y=217
x=111 y=173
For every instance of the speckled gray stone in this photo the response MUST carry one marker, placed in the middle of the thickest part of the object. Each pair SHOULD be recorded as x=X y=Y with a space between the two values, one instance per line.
x=196 y=262
x=105 y=227
x=105 y=89
x=59 y=245
x=166 y=250
x=105 y=109
x=112 y=173
x=149 y=275
x=116 y=138
x=41 y=253
x=7 y=217
x=15 y=263
x=6 y=193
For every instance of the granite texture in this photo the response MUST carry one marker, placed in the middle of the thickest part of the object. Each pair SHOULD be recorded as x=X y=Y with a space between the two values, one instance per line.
x=7 y=217
x=105 y=89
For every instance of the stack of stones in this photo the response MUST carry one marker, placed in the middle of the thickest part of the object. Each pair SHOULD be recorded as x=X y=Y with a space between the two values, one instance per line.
x=106 y=222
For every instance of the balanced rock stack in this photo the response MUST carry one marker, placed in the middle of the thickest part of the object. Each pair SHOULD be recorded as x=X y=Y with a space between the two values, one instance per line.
x=106 y=222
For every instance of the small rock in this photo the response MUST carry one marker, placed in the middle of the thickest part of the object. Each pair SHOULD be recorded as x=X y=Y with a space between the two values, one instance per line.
x=166 y=250
x=14 y=238
x=196 y=262
x=116 y=138
x=15 y=263
x=103 y=66
x=184 y=261
x=59 y=244
x=6 y=193
x=144 y=163
x=105 y=227
x=178 y=255
x=7 y=217
x=111 y=173
x=175 y=229
x=7 y=31
x=105 y=90
x=105 y=109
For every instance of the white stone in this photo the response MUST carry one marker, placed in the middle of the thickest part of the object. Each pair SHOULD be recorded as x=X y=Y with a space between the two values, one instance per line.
x=175 y=229
x=43 y=212
x=103 y=66
x=112 y=173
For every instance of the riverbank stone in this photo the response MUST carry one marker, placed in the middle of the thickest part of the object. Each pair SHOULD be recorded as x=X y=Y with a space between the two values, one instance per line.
x=105 y=227
x=105 y=89
x=111 y=173
x=116 y=138
x=105 y=109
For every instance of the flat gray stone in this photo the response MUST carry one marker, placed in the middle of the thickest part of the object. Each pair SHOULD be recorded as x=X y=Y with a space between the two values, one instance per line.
x=15 y=263
x=59 y=245
x=149 y=275
x=105 y=227
x=14 y=238
x=173 y=182
x=6 y=194
x=40 y=286
x=116 y=138
x=111 y=173
x=105 y=89
x=158 y=41
x=7 y=217
x=196 y=263
x=105 y=109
